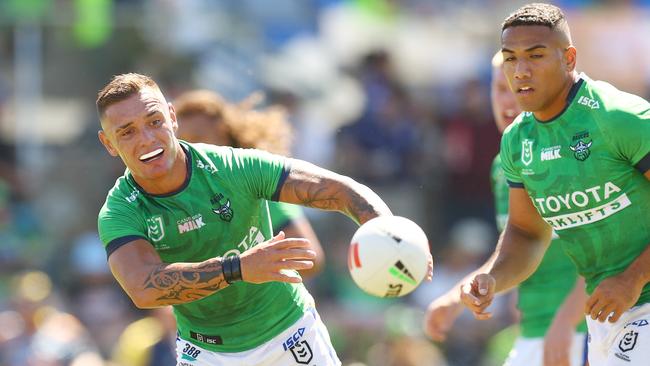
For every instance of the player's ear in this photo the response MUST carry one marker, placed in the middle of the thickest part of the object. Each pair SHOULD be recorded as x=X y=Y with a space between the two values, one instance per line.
x=106 y=142
x=570 y=58
x=172 y=116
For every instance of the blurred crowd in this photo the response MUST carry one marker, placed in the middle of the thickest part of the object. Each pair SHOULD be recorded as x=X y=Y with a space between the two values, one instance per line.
x=393 y=93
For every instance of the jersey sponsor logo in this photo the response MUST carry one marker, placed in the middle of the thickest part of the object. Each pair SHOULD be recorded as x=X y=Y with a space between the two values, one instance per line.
x=638 y=323
x=576 y=199
x=293 y=340
x=224 y=210
x=253 y=238
x=527 y=151
x=562 y=222
x=580 y=199
x=302 y=352
x=210 y=339
x=207 y=167
x=591 y=103
x=155 y=228
x=628 y=341
x=133 y=196
x=550 y=153
x=190 y=223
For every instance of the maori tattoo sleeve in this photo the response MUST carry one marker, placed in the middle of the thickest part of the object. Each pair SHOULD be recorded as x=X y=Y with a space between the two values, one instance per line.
x=311 y=186
x=179 y=285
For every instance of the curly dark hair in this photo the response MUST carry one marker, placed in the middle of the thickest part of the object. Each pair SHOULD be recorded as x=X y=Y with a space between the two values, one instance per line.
x=535 y=14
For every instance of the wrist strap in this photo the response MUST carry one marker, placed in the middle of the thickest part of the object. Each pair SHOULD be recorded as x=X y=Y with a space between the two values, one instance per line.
x=231 y=269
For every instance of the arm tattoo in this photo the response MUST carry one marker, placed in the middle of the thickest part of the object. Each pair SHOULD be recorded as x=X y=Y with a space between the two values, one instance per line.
x=315 y=187
x=185 y=284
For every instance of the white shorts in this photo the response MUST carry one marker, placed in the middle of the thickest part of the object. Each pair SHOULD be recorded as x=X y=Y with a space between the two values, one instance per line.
x=626 y=342
x=306 y=342
x=530 y=351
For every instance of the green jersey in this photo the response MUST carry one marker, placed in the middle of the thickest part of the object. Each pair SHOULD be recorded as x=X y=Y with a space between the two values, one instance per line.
x=220 y=210
x=282 y=214
x=583 y=171
x=545 y=290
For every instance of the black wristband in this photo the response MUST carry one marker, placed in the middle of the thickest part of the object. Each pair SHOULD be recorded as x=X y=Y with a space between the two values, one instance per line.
x=231 y=269
x=236 y=268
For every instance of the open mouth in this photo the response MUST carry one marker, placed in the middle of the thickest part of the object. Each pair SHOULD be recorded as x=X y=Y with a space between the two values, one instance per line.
x=525 y=90
x=151 y=156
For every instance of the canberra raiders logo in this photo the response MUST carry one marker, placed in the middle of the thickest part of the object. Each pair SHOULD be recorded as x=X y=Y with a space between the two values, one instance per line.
x=580 y=146
x=224 y=210
x=527 y=152
x=581 y=150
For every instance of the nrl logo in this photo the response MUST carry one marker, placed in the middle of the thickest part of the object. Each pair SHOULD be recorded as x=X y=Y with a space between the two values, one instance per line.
x=581 y=150
x=224 y=211
x=155 y=228
x=527 y=152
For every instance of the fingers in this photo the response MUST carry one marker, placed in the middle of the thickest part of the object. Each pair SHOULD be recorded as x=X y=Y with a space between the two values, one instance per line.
x=430 y=268
x=295 y=265
x=289 y=243
x=601 y=309
x=476 y=303
x=294 y=253
x=278 y=237
x=591 y=302
x=605 y=311
x=284 y=276
x=616 y=315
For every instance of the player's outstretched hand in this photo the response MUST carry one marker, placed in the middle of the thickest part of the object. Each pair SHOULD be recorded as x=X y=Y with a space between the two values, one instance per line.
x=614 y=295
x=478 y=294
x=275 y=259
x=440 y=317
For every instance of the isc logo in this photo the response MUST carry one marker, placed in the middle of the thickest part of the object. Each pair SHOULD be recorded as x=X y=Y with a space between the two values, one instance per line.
x=593 y=104
x=293 y=340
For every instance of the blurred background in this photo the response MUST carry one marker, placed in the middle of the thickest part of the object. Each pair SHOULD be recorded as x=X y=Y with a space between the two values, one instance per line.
x=392 y=93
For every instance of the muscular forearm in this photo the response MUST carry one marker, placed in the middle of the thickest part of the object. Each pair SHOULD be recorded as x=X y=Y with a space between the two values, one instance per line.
x=177 y=283
x=311 y=186
x=517 y=256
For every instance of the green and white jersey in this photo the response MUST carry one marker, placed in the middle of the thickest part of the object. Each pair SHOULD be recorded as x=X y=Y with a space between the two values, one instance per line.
x=220 y=210
x=542 y=294
x=583 y=171
x=282 y=214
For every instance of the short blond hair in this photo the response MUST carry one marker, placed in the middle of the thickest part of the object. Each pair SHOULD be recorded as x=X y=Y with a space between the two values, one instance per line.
x=120 y=88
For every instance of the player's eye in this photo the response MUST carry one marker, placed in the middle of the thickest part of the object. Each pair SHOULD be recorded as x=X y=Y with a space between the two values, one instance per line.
x=536 y=56
x=156 y=122
x=509 y=58
x=126 y=133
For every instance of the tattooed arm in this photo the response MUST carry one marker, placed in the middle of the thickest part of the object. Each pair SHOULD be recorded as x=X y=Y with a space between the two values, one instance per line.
x=150 y=283
x=312 y=186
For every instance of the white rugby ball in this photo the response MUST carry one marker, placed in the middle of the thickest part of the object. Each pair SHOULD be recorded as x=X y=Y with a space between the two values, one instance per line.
x=388 y=256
